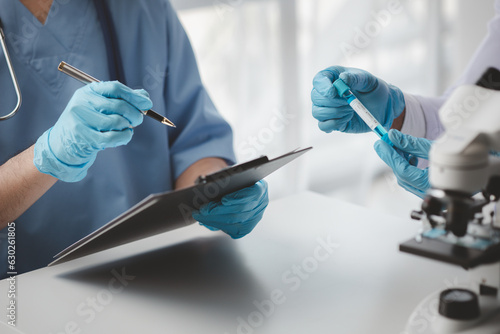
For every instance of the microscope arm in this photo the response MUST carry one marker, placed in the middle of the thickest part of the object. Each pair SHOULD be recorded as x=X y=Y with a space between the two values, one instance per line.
x=460 y=160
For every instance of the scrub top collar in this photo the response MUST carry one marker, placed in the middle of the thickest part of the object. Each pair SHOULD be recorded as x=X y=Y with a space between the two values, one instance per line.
x=62 y=34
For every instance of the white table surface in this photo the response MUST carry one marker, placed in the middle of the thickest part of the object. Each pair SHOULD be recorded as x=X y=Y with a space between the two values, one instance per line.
x=196 y=281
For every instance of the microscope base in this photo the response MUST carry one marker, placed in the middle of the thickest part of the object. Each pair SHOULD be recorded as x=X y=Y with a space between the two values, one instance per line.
x=427 y=320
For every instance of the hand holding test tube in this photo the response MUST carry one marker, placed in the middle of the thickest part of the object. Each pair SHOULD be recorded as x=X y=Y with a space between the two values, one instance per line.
x=345 y=92
x=385 y=101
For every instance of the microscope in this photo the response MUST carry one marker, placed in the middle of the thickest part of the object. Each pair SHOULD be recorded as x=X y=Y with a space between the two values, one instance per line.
x=460 y=222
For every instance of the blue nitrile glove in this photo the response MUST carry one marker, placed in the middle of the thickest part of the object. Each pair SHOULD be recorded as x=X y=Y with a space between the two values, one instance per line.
x=386 y=102
x=237 y=213
x=98 y=116
x=412 y=178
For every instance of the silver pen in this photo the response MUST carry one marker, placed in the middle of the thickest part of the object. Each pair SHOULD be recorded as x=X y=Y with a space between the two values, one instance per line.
x=86 y=79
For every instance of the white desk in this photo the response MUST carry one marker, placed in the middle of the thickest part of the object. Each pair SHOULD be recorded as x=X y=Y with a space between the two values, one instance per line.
x=196 y=281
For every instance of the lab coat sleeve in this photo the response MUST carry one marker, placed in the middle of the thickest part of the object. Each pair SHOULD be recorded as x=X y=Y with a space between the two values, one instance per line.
x=201 y=131
x=422 y=118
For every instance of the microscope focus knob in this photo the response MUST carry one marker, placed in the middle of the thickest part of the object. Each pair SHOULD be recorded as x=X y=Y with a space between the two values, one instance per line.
x=459 y=304
x=432 y=206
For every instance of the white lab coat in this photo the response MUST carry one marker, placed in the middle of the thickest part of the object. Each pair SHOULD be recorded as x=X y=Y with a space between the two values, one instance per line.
x=422 y=118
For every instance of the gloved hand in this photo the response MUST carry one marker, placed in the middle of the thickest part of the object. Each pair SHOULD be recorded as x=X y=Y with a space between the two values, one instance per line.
x=98 y=116
x=237 y=213
x=384 y=101
x=412 y=178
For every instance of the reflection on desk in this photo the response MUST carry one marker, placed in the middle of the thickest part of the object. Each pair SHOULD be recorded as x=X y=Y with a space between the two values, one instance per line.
x=205 y=272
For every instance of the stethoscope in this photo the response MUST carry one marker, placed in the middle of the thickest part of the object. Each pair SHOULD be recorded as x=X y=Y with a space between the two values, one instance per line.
x=12 y=75
x=115 y=64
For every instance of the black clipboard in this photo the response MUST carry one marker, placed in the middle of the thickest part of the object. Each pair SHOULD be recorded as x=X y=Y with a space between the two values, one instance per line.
x=159 y=213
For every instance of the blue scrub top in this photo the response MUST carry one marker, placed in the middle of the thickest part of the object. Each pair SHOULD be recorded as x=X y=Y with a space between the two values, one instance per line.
x=158 y=57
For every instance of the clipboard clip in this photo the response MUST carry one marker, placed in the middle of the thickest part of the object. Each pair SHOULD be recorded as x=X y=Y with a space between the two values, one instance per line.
x=226 y=172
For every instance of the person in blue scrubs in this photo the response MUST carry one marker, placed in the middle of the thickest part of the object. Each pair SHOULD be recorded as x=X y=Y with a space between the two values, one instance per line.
x=75 y=157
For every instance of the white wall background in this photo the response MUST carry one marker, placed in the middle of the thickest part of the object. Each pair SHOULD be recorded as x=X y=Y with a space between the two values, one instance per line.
x=257 y=59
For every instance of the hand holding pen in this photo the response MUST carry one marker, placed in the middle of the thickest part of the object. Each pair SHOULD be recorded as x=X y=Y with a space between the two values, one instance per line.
x=98 y=116
x=86 y=79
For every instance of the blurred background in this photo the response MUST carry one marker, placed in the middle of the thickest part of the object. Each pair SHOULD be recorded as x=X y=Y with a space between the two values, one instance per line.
x=257 y=59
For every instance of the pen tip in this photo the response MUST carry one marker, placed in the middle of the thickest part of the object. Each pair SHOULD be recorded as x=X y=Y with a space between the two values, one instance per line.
x=169 y=123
